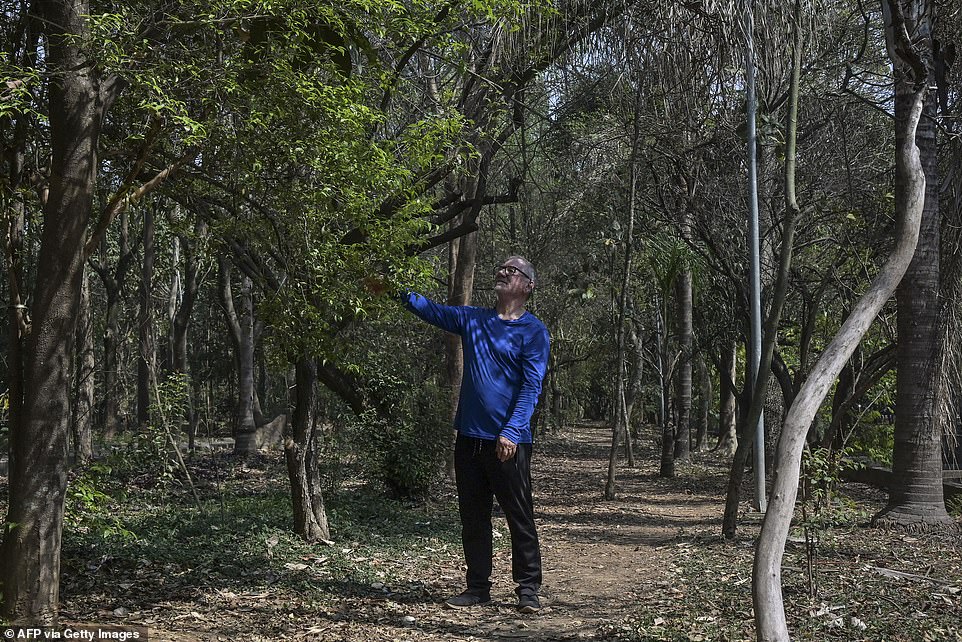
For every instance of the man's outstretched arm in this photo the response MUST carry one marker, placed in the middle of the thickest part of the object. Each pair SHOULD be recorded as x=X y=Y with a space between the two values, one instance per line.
x=446 y=317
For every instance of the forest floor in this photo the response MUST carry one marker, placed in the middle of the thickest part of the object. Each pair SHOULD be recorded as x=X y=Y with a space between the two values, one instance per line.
x=650 y=565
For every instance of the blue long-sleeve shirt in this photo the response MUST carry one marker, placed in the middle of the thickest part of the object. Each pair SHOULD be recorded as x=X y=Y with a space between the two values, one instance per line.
x=504 y=364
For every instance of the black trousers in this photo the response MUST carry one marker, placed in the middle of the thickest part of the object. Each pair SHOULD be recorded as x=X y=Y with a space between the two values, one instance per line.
x=480 y=478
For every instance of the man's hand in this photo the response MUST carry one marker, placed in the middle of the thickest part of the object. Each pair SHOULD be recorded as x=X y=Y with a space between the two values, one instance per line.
x=505 y=449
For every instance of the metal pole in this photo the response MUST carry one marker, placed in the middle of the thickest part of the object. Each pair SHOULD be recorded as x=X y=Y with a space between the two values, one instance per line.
x=754 y=244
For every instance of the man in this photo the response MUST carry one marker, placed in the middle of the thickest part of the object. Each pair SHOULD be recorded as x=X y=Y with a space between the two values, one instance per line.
x=505 y=358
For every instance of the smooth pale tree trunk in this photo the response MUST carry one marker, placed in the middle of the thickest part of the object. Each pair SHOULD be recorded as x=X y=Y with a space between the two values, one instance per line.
x=82 y=416
x=916 y=500
x=301 y=451
x=240 y=328
x=40 y=413
x=909 y=197
x=145 y=343
x=727 y=437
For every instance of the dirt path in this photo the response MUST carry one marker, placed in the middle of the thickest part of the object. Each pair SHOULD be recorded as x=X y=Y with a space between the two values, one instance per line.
x=601 y=559
x=599 y=556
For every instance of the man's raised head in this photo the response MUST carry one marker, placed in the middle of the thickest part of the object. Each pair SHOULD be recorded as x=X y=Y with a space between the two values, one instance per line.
x=515 y=275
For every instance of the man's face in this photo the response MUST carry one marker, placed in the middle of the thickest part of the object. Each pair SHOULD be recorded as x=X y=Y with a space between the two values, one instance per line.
x=511 y=277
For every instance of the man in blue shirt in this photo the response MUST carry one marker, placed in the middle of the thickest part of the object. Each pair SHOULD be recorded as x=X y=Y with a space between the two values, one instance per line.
x=505 y=359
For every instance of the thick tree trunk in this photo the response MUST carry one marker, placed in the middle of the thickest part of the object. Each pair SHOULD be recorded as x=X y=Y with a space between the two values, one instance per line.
x=145 y=343
x=916 y=499
x=18 y=317
x=909 y=198
x=301 y=452
x=82 y=417
x=40 y=417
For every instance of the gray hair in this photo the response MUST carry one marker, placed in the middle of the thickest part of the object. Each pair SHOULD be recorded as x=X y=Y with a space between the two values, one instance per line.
x=528 y=267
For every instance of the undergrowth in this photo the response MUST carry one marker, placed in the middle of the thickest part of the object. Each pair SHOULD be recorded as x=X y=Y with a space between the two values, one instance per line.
x=240 y=540
x=872 y=585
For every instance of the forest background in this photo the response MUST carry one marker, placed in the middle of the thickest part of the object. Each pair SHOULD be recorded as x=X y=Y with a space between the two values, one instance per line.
x=202 y=201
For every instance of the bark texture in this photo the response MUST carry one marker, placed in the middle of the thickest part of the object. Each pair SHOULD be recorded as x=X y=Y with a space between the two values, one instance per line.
x=301 y=451
x=916 y=500
x=82 y=416
x=40 y=417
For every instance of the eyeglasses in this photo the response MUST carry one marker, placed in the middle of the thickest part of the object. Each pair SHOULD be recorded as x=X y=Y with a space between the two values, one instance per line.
x=510 y=270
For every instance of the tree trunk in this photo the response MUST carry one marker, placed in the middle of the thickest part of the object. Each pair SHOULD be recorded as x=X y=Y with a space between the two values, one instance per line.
x=704 y=402
x=173 y=300
x=240 y=327
x=556 y=396
x=145 y=344
x=40 y=416
x=637 y=378
x=301 y=452
x=462 y=261
x=727 y=437
x=916 y=499
x=619 y=408
x=113 y=282
x=759 y=388
x=909 y=197
x=82 y=417
x=683 y=327
x=181 y=320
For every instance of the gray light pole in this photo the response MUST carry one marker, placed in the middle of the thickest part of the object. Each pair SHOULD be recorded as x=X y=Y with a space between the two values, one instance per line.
x=754 y=244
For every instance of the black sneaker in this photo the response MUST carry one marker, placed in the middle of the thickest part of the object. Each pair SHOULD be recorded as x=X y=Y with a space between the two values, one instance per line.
x=529 y=604
x=466 y=599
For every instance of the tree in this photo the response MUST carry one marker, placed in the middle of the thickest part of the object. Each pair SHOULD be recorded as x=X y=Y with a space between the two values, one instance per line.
x=915 y=496
x=619 y=408
x=40 y=377
x=901 y=20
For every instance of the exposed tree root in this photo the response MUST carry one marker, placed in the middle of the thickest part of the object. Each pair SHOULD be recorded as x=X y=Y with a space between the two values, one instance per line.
x=917 y=522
